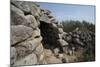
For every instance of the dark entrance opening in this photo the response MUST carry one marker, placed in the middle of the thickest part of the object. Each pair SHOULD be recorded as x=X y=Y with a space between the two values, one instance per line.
x=49 y=34
x=45 y=33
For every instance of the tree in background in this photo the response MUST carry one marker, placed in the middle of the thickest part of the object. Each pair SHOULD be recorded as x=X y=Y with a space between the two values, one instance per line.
x=69 y=26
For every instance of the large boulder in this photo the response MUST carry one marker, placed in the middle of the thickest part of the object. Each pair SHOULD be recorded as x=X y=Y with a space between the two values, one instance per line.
x=48 y=52
x=17 y=16
x=39 y=49
x=78 y=41
x=27 y=7
x=24 y=6
x=68 y=38
x=44 y=18
x=60 y=30
x=28 y=60
x=19 y=33
x=60 y=56
x=62 y=42
x=62 y=35
x=75 y=36
x=31 y=21
x=27 y=47
x=54 y=25
x=56 y=51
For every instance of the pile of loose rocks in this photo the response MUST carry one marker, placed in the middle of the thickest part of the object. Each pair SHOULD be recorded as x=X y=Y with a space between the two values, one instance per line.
x=38 y=38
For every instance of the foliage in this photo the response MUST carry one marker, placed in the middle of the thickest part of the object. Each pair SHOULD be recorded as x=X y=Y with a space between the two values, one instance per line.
x=83 y=26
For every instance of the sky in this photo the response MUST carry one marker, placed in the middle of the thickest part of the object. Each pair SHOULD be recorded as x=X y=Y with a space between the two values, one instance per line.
x=70 y=11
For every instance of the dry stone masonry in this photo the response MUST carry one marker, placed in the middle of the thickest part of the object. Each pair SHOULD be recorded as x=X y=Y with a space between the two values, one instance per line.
x=38 y=38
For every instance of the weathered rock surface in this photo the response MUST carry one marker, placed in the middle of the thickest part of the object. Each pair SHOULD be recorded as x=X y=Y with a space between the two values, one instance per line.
x=26 y=36
x=44 y=18
x=62 y=42
x=28 y=60
x=38 y=38
x=20 y=33
x=13 y=55
x=53 y=60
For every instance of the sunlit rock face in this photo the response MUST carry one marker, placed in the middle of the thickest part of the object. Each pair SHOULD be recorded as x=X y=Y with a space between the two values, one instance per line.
x=38 y=38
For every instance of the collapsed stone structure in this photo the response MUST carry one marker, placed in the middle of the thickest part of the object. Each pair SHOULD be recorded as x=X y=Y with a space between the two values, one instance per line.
x=38 y=38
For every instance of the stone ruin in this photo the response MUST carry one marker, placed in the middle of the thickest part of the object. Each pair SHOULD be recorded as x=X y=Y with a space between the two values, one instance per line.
x=38 y=38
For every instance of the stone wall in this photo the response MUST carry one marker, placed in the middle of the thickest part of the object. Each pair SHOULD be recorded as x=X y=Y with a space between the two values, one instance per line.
x=38 y=38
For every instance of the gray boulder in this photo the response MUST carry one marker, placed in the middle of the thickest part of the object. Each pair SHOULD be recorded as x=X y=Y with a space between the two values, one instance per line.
x=76 y=36
x=27 y=47
x=48 y=52
x=17 y=16
x=62 y=35
x=44 y=18
x=54 y=25
x=60 y=30
x=56 y=51
x=60 y=56
x=77 y=41
x=39 y=49
x=68 y=38
x=28 y=60
x=62 y=42
x=17 y=10
x=21 y=52
x=20 y=33
x=22 y=5
x=31 y=21
x=65 y=49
